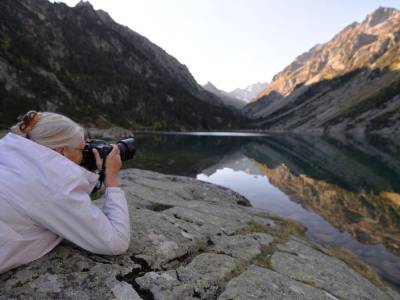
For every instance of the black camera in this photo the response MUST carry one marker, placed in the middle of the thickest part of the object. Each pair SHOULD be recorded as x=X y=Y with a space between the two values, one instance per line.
x=126 y=147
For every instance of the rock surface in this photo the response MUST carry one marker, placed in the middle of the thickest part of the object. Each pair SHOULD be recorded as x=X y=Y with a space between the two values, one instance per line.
x=192 y=240
x=111 y=133
x=250 y=92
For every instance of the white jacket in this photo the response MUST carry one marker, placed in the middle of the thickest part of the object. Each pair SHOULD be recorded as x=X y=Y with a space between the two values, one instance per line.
x=44 y=197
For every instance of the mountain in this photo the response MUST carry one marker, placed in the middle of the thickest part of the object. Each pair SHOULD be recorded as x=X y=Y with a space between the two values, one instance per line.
x=249 y=93
x=224 y=96
x=349 y=84
x=238 y=97
x=78 y=61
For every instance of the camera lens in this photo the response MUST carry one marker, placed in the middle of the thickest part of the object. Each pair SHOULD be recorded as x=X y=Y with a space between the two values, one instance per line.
x=127 y=148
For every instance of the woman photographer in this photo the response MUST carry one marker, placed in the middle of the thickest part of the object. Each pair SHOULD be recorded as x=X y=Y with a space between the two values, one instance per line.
x=44 y=193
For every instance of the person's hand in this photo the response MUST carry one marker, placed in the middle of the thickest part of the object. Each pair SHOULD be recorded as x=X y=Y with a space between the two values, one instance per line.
x=99 y=160
x=112 y=167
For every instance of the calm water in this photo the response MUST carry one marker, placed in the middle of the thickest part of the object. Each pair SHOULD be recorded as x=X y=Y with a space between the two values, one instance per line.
x=345 y=191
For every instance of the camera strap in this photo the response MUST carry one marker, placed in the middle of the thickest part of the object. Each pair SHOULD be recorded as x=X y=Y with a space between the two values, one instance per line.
x=102 y=176
x=102 y=173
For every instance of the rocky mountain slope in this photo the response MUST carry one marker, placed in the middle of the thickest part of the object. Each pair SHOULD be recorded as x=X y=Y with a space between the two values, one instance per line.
x=238 y=97
x=78 y=61
x=350 y=83
x=250 y=92
x=224 y=96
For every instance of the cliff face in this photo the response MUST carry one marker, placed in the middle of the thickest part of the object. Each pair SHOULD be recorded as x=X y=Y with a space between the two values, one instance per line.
x=80 y=62
x=348 y=84
x=250 y=92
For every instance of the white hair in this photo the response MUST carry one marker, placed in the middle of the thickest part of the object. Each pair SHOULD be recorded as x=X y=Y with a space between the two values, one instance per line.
x=49 y=129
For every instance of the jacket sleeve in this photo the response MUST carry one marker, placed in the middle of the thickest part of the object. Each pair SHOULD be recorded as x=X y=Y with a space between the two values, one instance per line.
x=72 y=216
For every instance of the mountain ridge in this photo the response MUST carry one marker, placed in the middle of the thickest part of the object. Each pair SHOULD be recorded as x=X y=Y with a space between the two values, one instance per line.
x=80 y=62
x=322 y=88
x=226 y=98
x=250 y=92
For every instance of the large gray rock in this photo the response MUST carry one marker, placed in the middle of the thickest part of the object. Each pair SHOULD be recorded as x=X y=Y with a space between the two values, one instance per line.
x=69 y=273
x=201 y=278
x=241 y=246
x=191 y=240
x=261 y=283
x=111 y=133
x=303 y=263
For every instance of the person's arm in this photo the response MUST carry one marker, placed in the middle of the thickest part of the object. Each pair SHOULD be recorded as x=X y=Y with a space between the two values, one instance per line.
x=75 y=218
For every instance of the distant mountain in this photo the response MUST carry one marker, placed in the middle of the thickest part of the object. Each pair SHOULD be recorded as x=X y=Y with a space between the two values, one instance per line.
x=226 y=98
x=351 y=83
x=78 y=61
x=250 y=92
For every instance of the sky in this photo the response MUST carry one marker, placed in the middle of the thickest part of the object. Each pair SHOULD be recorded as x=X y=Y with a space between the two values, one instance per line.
x=235 y=43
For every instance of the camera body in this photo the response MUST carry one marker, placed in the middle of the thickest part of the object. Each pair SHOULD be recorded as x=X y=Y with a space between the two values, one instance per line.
x=126 y=147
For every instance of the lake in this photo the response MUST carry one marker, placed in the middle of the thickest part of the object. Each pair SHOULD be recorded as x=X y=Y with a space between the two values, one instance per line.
x=346 y=191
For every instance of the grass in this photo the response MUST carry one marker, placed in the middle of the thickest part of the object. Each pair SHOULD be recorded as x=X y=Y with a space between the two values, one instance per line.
x=288 y=228
x=240 y=268
x=264 y=258
x=354 y=262
x=281 y=235
x=198 y=247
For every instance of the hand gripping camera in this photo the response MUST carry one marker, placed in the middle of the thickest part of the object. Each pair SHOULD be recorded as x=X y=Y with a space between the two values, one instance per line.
x=126 y=147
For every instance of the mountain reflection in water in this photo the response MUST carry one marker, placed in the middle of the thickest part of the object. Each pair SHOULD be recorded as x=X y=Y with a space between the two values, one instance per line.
x=345 y=191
